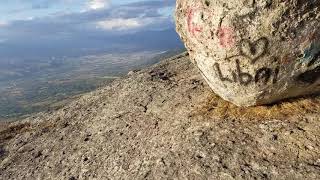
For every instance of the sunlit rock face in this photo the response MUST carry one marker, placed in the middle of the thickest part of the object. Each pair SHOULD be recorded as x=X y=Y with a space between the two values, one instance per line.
x=253 y=52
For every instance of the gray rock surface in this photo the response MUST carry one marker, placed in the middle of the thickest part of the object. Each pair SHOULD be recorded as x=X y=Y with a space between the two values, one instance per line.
x=164 y=123
x=254 y=52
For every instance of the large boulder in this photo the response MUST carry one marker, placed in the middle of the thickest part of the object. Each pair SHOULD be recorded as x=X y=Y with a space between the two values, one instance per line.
x=253 y=52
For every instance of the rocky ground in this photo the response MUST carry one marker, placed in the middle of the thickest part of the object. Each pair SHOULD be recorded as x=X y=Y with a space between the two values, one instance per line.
x=164 y=123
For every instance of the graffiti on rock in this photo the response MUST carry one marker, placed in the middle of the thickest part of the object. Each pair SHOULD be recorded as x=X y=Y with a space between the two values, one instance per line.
x=254 y=50
x=226 y=37
x=193 y=27
x=263 y=75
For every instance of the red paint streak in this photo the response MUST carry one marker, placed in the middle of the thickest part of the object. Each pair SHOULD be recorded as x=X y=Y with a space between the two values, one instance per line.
x=226 y=37
x=192 y=27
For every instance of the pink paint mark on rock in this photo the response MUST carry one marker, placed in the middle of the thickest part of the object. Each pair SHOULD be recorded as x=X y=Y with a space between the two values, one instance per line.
x=192 y=26
x=226 y=37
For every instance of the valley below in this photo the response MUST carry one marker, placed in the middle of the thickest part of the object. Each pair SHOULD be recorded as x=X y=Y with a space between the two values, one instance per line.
x=33 y=85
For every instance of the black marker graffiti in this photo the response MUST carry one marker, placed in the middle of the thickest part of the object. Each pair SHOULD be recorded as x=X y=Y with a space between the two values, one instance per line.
x=254 y=50
x=244 y=78
x=262 y=75
x=222 y=78
x=276 y=74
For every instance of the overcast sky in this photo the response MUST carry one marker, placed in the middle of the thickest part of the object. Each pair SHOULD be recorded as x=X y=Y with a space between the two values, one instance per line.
x=27 y=20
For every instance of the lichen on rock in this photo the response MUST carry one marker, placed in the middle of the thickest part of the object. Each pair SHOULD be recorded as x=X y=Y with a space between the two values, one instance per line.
x=253 y=52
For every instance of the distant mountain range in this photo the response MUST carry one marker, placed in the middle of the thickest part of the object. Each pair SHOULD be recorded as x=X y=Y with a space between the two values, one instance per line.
x=91 y=44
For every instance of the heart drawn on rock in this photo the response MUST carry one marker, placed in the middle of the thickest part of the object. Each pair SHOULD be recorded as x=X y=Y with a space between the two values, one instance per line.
x=254 y=50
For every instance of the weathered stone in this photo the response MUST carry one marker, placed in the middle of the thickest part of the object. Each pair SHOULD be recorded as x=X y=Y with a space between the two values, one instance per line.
x=146 y=126
x=253 y=52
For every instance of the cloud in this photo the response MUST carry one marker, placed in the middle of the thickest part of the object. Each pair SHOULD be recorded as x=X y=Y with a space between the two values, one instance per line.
x=96 y=24
x=98 y=4
x=45 y=4
x=120 y=24
x=144 y=14
x=3 y=24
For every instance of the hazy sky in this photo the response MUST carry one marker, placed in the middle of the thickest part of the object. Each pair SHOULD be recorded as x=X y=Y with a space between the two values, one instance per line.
x=26 y=20
x=26 y=10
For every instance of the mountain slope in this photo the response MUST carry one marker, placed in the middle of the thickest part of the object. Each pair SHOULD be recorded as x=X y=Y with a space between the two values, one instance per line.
x=164 y=122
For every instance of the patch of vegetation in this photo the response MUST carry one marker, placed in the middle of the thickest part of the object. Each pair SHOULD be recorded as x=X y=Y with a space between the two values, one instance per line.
x=217 y=107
